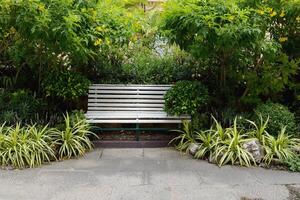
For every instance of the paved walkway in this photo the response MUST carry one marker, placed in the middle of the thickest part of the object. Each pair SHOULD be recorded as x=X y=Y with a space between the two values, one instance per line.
x=142 y=174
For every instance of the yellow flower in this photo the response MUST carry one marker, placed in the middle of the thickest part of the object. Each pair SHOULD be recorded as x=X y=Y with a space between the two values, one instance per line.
x=272 y=14
x=269 y=9
x=99 y=28
x=107 y=41
x=98 y=42
x=283 y=39
x=41 y=7
x=230 y=18
x=282 y=14
x=12 y=30
x=261 y=12
x=298 y=19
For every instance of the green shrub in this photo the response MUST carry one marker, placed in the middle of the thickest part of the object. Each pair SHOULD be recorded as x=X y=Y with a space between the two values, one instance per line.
x=293 y=164
x=186 y=97
x=279 y=116
x=19 y=106
x=65 y=84
x=73 y=140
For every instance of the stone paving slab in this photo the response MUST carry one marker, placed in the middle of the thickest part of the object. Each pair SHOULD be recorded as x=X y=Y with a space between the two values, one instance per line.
x=147 y=174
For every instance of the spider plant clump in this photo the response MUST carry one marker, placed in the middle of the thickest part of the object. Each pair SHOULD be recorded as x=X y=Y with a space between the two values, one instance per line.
x=259 y=131
x=231 y=150
x=25 y=146
x=236 y=144
x=185 y=138
x=206 y=144
x=280 y=147
x=73 y=140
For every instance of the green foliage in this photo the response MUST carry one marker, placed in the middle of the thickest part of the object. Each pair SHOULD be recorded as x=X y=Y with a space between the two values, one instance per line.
x=73 y=140
x=65 y=84
x=20 y=105
x=259 y=130
x=207 y=144
x=230 y=148
x=33 y=145
x=39 y=36
x=280 y=147
x=279 y=116
x=185 y=138
x=244 y=61
x=226 y=145
x=25 y=146
x=186 y=97
x=293 y=163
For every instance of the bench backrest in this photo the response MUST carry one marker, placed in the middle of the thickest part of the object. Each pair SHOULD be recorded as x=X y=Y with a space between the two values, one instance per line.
x=108 y=97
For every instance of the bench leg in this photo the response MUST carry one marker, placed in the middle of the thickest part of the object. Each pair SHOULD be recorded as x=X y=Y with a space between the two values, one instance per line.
x=137 y=132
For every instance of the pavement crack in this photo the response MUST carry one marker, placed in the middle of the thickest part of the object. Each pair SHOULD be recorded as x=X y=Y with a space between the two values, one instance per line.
x=101 y=153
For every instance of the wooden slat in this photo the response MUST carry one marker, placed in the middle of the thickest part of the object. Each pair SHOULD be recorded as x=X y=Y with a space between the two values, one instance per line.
x=129 y=85
x=123 y=109
x=116 y=96
x=136 y=121
x=125 y=92
x=126 y=100
x=152 y=105
x=129 y=88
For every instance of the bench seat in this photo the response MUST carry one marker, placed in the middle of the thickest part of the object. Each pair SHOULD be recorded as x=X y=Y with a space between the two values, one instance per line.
x=133 y=117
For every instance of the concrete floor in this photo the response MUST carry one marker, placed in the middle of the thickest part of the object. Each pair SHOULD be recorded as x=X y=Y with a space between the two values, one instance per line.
x=142 y=174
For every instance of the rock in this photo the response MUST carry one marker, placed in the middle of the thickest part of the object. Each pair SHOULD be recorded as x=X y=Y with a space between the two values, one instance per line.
x=193 y=148
x=256 y=149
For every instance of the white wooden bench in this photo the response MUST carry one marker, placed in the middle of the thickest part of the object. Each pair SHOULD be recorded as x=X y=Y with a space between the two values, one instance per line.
x=137 y=104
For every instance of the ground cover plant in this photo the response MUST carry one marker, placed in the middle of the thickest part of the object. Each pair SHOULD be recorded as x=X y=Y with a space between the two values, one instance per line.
x=33 y=145
x=237 y=145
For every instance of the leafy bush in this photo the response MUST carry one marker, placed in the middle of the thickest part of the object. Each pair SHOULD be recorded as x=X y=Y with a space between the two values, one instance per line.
x=73 y=140
x=20 y=105
x=186 y=97
x=279 y=116
x=293 y=163
x=66 y=84
x=229 y=36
